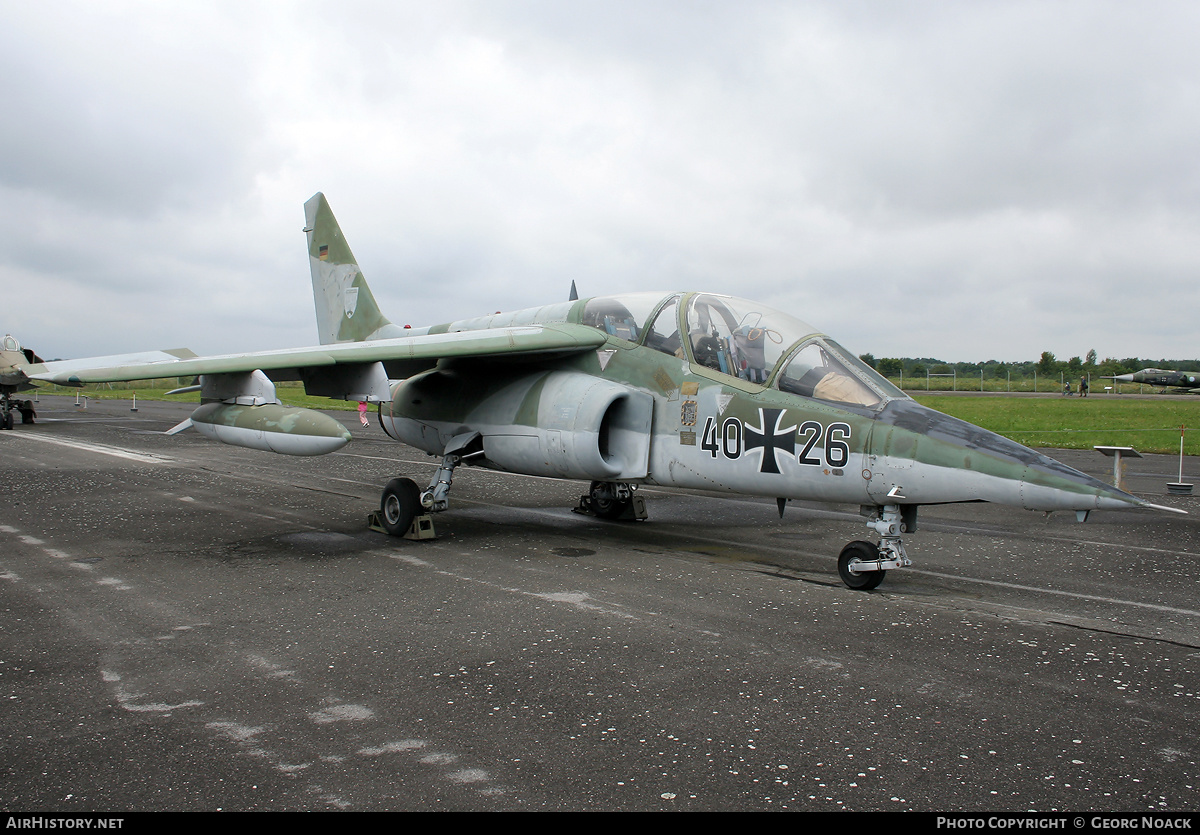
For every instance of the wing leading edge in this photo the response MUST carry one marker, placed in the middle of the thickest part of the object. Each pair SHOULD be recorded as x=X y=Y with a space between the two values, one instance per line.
x=416 y=351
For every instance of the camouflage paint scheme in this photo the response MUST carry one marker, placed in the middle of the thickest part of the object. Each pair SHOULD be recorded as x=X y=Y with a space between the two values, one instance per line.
x=713 y=431
x=683 y=389
x=277 y=428
x=1158 y=377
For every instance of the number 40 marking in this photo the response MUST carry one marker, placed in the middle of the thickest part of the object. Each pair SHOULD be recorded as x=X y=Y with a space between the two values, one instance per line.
x=728 y=442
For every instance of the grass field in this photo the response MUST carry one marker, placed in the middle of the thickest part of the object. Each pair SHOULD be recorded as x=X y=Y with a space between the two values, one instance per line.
x=1081 y=423
x=1064 y=422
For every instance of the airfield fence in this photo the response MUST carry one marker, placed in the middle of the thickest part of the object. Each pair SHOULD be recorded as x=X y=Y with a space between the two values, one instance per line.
x=1041 y=385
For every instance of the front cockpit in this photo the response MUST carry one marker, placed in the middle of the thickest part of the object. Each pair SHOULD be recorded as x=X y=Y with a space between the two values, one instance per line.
x=745 y=340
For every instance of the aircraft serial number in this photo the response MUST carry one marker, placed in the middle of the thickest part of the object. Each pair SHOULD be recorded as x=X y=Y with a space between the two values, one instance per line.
x=732 y=437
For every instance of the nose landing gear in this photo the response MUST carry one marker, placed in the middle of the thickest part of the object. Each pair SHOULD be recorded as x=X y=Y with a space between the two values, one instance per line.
x=861 y=565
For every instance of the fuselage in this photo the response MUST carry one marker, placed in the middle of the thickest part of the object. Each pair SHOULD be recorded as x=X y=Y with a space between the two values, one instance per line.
x=698 y=390
x=1159 y=377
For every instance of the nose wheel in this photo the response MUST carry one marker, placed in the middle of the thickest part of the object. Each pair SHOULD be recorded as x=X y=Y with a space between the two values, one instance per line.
x=855 y=556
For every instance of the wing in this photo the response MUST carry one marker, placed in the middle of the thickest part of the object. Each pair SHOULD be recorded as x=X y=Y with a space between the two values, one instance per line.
x=393 y=358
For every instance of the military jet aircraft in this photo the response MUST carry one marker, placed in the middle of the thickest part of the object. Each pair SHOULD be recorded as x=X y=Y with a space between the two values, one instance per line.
x=679 y=389
x=1167 y=379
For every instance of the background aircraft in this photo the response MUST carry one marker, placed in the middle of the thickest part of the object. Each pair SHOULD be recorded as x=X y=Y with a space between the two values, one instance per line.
x=1158 y=377
x=19 y=367
x=13 y=361
x=683 y=389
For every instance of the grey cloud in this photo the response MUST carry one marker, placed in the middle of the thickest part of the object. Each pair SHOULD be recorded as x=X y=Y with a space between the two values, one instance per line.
x=918 y=178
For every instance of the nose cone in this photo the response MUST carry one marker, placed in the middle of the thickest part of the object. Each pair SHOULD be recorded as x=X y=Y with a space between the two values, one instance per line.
x=927 y=457
x=1124 y=378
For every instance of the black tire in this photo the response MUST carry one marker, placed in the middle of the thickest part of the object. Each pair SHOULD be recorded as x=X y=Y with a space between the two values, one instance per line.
x=8 y=420
x=604 y=507
x=399 y=505
x=859 y=551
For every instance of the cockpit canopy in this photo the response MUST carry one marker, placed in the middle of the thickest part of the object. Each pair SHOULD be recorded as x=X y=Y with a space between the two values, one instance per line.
x=742 y=339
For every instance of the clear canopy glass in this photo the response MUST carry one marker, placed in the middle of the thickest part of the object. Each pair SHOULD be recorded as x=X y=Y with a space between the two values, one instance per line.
x=743 y=339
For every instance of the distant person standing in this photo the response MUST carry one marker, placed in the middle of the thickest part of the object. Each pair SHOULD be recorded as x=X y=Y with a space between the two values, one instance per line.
x=362 y=413
x=1083 y=387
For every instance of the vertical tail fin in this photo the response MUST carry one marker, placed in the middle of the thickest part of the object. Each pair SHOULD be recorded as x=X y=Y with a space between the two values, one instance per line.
x=346 y=309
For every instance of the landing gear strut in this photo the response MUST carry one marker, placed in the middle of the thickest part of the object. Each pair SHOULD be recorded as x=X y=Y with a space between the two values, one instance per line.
x=404 y=507
x=862 y=565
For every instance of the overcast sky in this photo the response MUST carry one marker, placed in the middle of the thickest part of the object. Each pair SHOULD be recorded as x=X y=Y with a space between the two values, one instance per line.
x=970 y=181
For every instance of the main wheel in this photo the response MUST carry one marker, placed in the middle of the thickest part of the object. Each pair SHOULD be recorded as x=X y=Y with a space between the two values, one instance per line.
x=854 y=552
x=401 y=503
x=604 y=504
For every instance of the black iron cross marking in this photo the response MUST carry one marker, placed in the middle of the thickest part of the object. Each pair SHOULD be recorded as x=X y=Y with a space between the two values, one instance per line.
x=779 y=439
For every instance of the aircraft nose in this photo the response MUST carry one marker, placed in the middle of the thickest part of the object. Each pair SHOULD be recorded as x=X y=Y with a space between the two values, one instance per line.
x=1124 y=378
x=928 y=457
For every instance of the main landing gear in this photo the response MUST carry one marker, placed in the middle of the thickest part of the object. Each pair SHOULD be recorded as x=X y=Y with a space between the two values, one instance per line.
x=613 y=500
x=404 y=508
x=863 y=565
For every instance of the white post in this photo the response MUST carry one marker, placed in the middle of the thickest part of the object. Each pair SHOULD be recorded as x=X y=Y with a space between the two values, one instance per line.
x=1179 y=488
x=1181 y=430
